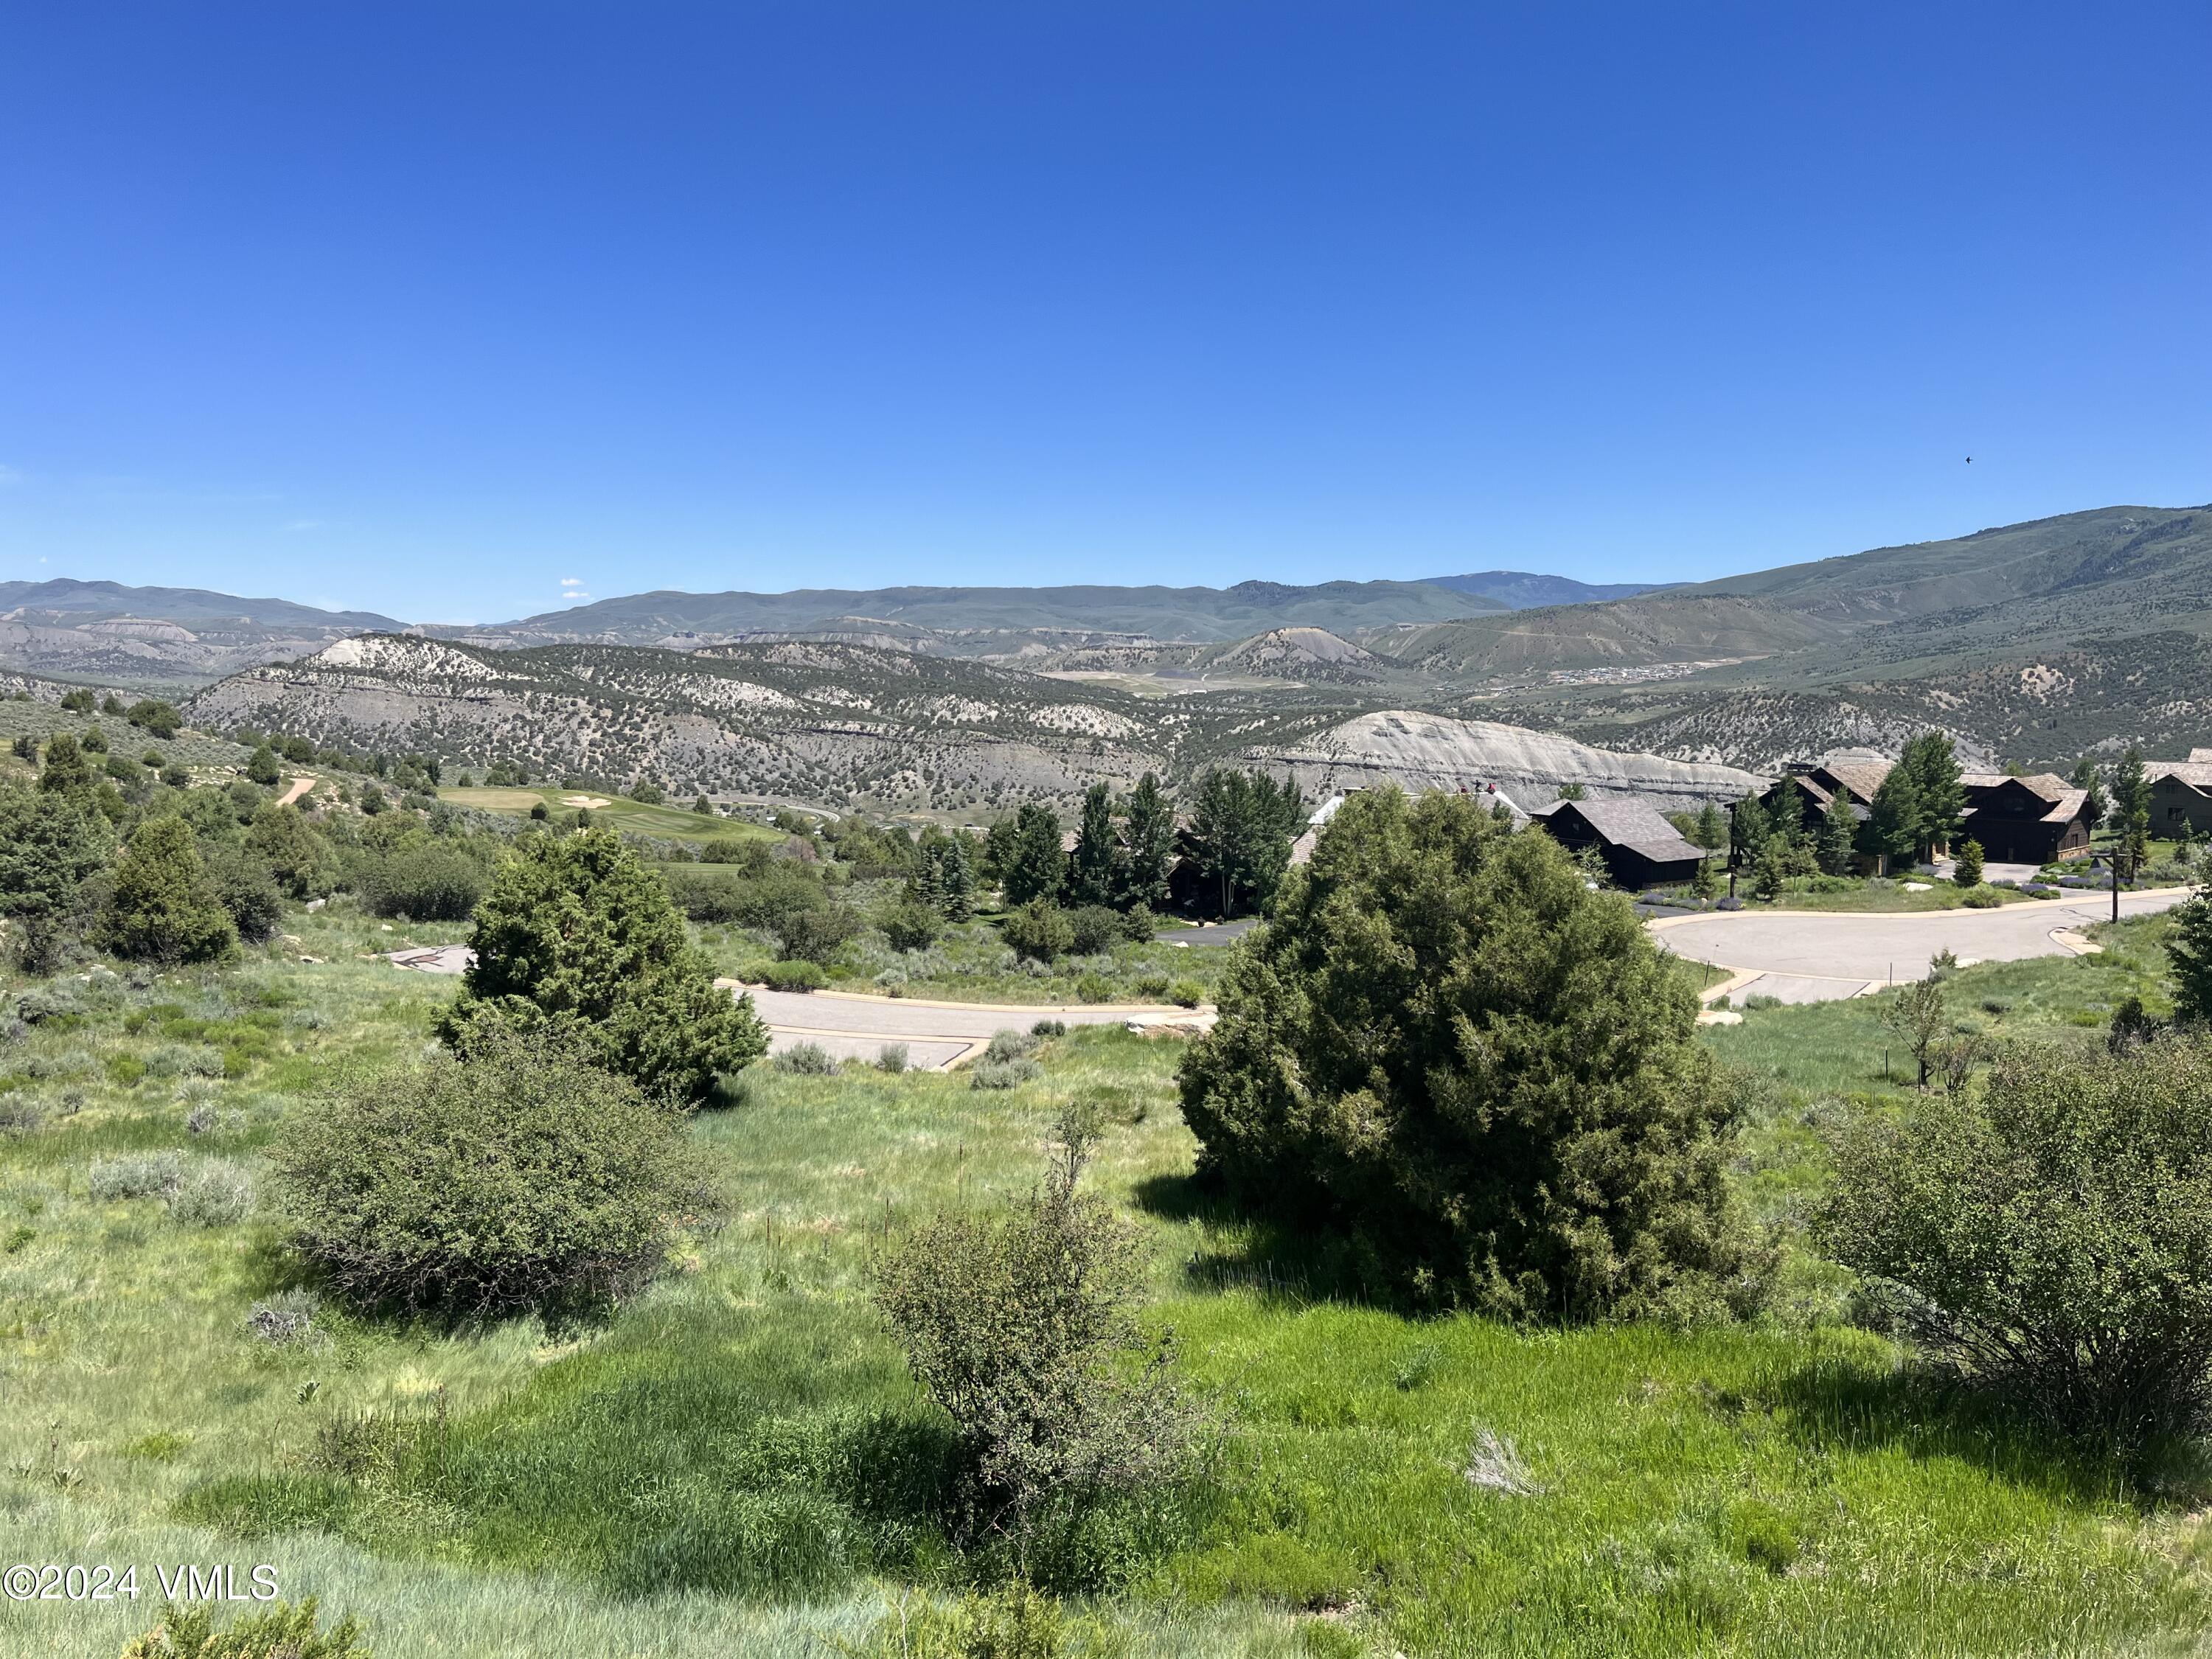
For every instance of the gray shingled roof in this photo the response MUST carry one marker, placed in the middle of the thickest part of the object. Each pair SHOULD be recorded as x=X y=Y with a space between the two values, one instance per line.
x=1632 y=825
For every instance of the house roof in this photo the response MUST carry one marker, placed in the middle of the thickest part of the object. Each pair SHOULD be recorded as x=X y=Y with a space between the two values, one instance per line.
x=2200 y=758
x=1862 y=778
x=2063 y=802
x=1632 y=825
x=2196 y=771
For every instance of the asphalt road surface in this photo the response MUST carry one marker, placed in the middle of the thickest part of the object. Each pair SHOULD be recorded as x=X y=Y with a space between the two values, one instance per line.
x=1804 y=956
x=935 y=1034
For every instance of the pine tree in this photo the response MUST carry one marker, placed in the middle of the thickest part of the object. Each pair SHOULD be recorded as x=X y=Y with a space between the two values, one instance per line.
x=2132 y=807
x=1033 y=866
x=1891 y=829
x=2188 y=950
x=262 y=768
x=1712 y=833
x=1090 y=871
x=1839 y=828
x=1148 y=829
x=1748 y=827
x=1939 y=797
x=2087 y=779
x=1968 y=870
x=49 y=847
x=65 y=771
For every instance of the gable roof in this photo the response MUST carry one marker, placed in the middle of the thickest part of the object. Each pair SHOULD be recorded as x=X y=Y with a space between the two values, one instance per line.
x=1632 y=825
x=2200 y=758
x=2196 y=774
x=1862 y=777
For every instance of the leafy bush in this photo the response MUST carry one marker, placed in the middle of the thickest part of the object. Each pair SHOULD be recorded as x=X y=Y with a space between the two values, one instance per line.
x=135 y=1175
x=422 y=880
x=1150 y=985
x=806 y=1060
x=49 y=847
x=1049 y=1028
x=162 y=906
x=576 y=935
x=517 y=1175
x=1040 y=931
x=814 y=935
x=1092 y=929
x=248 y=888
x=212 y=1192
x=910 y=925
x=1094 y=988
x=1012 y=1045
x=1982 y=898
x=279 y=1631
x=794 y=976
x=1185 y=993
x=1003 y=1073
x=2050 y=1236
x=1018 y=1325
x=892 y=1057
x=750 y=895
x=1445 y=1046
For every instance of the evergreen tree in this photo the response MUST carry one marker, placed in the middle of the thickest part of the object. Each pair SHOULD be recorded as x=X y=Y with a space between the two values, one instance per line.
x=1148 y=846
x=577 y=933
x=49 y=847
x=1243 y=827
x=2189 y=952
x=1712 y=831
x=1748 y=827
x=1891 y=829
x=1090 y=871
x=2132 y=807
x=944 y=875
x=262 y=768
x=1033 y=866
x=1968 y=870
x=1444 y=1046
x=2087 y=779
x=164 y=907
x=1771 y=868
x=65 y=770
x=1839 y=828
x=1939 y=797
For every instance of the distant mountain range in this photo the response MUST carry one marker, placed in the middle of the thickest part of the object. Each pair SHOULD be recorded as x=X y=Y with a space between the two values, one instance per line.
x=1523 y=590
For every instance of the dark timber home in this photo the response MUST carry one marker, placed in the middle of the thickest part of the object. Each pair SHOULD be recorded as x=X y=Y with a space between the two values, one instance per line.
x=2181 y=795
x=1640 y=847
x=2036 y=820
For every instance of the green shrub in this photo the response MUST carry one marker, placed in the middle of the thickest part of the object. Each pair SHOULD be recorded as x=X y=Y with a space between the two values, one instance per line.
x=1150 y=985
x=212 y=1192
x=1966 y=868
x=422 y=880
x=1185 y=993
x=794 y=976
x=814 y=935
x=247 y=887
x=1092 y=929
x=517 y=1175
x=1445 y=1046
x=279 y=1631
x=1982 y=898
x=49 y=847
x=892 y=1057
x=1094 y=988
x=261 y=768
x=2188 y=952
x=577 y=935
x=910 y=925
x=162 y=907
x=806 y=1060
x=2049 y=1235
x=1018 y=1325
x=135 y=1175
x=1040 y=931
x=1003 y=1073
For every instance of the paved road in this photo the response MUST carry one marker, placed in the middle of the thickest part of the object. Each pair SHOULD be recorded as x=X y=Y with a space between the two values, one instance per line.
x=1805 y=956
x=935 y=1034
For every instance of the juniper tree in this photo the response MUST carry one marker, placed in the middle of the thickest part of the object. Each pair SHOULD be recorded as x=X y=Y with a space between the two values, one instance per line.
x=1445 y=1047
x=163 y=906
x=49 y=847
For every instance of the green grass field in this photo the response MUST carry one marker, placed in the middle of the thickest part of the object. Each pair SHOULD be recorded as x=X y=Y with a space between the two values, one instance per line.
x=735 y=1464
x=669 y=823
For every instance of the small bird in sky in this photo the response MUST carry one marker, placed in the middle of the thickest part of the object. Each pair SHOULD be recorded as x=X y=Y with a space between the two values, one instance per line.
x=1970 y=460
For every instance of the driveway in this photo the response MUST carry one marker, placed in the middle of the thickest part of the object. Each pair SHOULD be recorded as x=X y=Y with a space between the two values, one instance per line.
x=1823 y=957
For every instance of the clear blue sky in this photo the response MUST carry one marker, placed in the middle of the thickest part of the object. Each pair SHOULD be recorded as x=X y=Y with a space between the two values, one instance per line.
x=428 y=309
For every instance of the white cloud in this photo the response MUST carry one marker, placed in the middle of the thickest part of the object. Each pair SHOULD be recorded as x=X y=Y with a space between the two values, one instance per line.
x=298 y=525
x=574 y=595
x=571 y=582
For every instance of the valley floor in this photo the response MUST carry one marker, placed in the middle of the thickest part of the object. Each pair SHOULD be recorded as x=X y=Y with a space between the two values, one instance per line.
x=730 y=1464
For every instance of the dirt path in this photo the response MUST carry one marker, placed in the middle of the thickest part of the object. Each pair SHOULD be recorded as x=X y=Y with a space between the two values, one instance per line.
x=300 y=787
x=935 y=1035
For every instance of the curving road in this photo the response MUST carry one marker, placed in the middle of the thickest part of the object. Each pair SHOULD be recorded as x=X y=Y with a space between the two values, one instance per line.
x=1826 y=955
x=936 y=1035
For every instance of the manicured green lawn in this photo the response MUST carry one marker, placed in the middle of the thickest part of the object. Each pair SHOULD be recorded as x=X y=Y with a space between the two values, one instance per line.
x=668 y=822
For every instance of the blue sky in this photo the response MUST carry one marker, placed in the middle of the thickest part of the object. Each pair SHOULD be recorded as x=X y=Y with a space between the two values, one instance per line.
x=453 y=311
